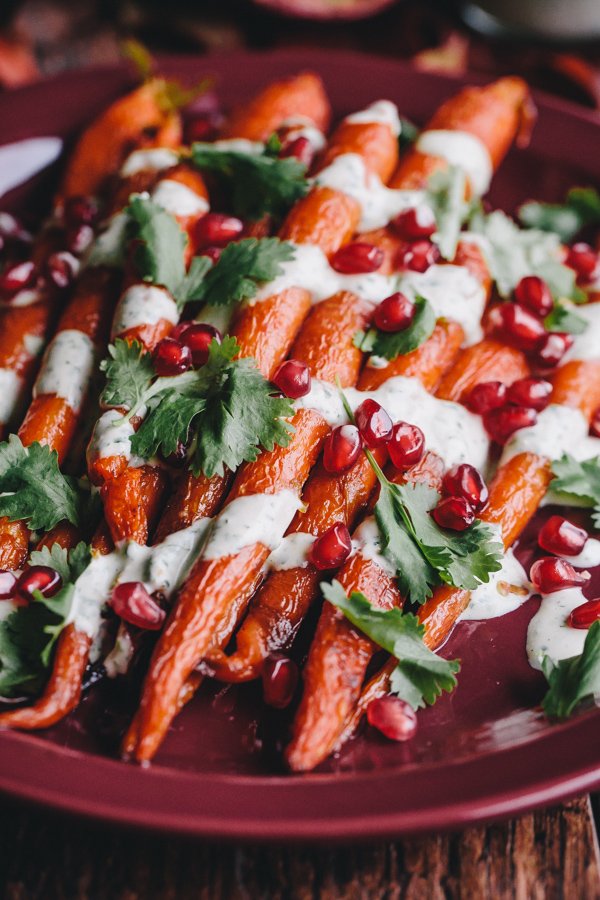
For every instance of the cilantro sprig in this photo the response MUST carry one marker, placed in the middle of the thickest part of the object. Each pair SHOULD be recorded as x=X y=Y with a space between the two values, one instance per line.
x=390 y=345
x=256 y=184
x=420 y=675
x=581 y=208
x=242 y=267
x=573 y=680
x=579 y=479
x=230 y=409
x=445 y=194
x=28 y=635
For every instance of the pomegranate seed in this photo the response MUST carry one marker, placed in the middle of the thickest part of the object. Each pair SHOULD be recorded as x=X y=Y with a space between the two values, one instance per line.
x=518 y=326
x=417 y=256
x=531 y=392
x=533 y=292
x=202 y=128
x=217 y=230
x=551 y=350
x=595 y=424
x=407 y=445
x=293 y=378
x=466 y=481
x=11 y=230
x=552 y=574
x=213 y=253
x=179 y=329
x=373 y=423
x=342 y=449
x=198 y=338
x=61 y=268
x=39 y=578
x=395 y=313
x=454 y=513
x=80 y=211
x=21 y=276
x=132 y=602
x=584 y=260
x=279 y=678
x=393 y=717
x=332 y=548
x=301 y=148
x=486 y=396
x=171 y=357
x=502 y=423
x=560 y=536
x=8 y=585
x=414 y=223
x=585 y=615
x=79 y=238
x=357 y=258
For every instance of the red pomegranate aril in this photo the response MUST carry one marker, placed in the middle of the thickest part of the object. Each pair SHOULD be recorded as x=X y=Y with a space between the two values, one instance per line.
x=551 y=574
x=293 y=378
x=407 y=445
x=301 y=148
x=467 y=481
x=595 y=424
x=487 y=396
x=560 y=536
x=502 y=423
x=395 y=718
x=8 y=584
x=202 y=128
x=179 y=329
x=395 y=313
x=531 y=392
x=551 y=350
x=533 y=292
x=39 y=578
x=411 y=224
x=584 y=260
x=80 y=211
x=279 y=678
x=217 y=230
x=585 y=615
x=213 y=253
x=455 y=513
x=418 y=256
x=61 y=268
x=374 y=423
x=19 y=277
x=342 y=448
x=332 y=548
x=171 y=357
x=11 y=230
x=519 y=326
x=198 y=338
x=79 y=238
x=357 y=258
x=132 y=602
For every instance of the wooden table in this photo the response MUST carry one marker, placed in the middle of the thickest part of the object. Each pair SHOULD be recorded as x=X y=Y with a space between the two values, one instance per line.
x=547 y=855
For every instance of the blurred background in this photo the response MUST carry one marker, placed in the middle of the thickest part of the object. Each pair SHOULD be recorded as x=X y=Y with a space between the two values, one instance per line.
x=554 y=44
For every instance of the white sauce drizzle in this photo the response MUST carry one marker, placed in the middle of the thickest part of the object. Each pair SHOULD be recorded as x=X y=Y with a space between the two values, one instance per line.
x=67 y=367
x=548 y=632
x=558 y=430
x=33 y=344
x=589 y=556
x=252 y=519
x=26 y=297
x=495 y=598
x=117 y=661
x=153 y=160
x=112 y=437
x=292 y=552
x=301 y=126
x=453 y=292
x=240 y=145
x=459 y=148
x=10 y=388
x=143 y=304
x=178 y=199
x=586 y=345
x=383 y=112
x=367 y=542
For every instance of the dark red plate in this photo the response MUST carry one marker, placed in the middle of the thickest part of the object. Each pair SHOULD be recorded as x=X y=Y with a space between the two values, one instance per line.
x=484 y=751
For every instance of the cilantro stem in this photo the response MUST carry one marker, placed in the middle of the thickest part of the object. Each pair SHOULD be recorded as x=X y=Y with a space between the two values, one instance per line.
x=373 y=462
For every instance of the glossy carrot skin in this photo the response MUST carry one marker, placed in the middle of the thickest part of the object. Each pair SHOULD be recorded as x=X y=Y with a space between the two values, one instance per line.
x=324 y=217
x=373 y=141
x=302 y=95
x=256 y=327
x=133 y=501
x=577 y=384
x=489 y=360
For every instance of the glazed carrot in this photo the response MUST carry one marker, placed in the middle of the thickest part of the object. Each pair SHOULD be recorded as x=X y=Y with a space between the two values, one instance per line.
x=324 y=217
x=302 y=95
x=133 y=501
x=488 y=360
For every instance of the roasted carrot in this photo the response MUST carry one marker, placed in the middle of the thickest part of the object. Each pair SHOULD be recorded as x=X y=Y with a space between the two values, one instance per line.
x=488 y=360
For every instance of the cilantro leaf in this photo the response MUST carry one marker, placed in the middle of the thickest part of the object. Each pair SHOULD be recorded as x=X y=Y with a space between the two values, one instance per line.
x=445 y=194
x=408 y=134
x=129 y=371
x=581 y=208
x=256 y=184
x=580 y=479
x=420 y=675
x=33 y=488
x=159 y=256
x=572 y=680
x=241 y=267
x=563 y=319
x=398 y=343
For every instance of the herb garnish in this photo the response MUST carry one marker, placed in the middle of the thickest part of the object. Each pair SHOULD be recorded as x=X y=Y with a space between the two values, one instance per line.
x=445 y=194
x=572 y=680
x=581 y=208
x=242 y=267
x=579 y=479
x=398 y=343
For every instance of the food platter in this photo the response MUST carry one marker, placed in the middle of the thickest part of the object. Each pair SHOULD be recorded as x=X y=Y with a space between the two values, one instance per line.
x=484 y=751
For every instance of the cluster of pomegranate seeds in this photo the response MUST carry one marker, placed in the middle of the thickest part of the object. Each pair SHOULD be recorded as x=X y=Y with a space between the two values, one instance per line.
x=332 y=548
x=585 y=615
x=562 y=537
x=300 y=148
x=502 y=423
x=8 y=584
x=395 y=313
x=486 y=396
x=532 y=392
x=342 y=448
x=374 y=423
x=395 y=718
x=506 y=410
x=217 y=230
x=407 y=445
x=357 y=258
x=418 y=256
x=585 y=261
x=415 y=223
x=279 y=678
x=39 y=578
x=198 y=337
x=171 y=357
x=455 y=513
x=61 y=268
x=551 y=574
x=467 y=482
x=293 y=378
x=132 y=602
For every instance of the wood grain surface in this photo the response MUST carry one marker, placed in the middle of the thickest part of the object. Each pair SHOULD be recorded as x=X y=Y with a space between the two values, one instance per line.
x=547 y=855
